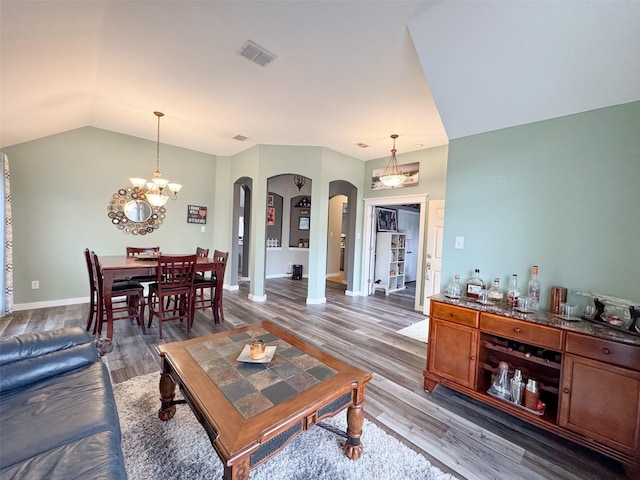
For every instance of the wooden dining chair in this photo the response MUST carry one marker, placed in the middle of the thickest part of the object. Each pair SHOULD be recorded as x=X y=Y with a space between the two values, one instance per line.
x=174 y=279
x=128 y=297
x=209 y=284
x=136 y=252
x=95 y=297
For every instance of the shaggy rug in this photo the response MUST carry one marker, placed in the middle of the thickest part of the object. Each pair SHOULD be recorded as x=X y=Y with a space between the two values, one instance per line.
x=417 y=331
x=180 y=449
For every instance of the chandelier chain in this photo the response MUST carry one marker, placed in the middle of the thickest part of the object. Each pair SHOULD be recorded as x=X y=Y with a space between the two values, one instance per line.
x=158 y=114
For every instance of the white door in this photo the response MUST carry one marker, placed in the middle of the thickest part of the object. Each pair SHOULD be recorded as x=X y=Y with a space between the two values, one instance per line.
x=409 y=223
x=433 y=262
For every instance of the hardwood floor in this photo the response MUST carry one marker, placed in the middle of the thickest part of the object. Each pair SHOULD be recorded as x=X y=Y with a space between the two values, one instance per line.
x=457 y=434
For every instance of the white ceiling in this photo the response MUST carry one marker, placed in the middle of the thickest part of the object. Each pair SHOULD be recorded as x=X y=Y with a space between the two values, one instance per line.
x=346 y=71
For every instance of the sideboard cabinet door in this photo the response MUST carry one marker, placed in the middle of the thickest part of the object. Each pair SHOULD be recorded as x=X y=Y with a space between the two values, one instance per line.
x=453 y=352
x=600 y=401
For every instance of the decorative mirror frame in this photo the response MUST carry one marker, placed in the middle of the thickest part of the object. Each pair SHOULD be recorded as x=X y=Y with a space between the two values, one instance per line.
x=115 y=212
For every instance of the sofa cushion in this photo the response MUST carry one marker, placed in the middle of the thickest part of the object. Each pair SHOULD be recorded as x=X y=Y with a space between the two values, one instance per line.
x=32 y=369
x=59 y=410
x=92 y=457
x=40 y=343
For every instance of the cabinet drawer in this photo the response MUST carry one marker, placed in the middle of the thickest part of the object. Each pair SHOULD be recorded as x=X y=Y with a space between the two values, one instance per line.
x=604 y=350
x=522 y=331
x=451 y=313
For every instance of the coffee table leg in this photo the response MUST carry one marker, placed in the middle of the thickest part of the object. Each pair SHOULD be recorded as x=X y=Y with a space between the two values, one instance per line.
x=167 y=394
x=355 y=419
x=238 y=471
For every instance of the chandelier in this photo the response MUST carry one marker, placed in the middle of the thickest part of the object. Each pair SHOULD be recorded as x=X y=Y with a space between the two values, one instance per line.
x=300 y=181
x=392 y=175
x=156 y=190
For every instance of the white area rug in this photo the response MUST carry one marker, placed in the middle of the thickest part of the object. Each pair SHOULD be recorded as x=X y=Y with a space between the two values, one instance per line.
x=180 y=449
x=417 y=331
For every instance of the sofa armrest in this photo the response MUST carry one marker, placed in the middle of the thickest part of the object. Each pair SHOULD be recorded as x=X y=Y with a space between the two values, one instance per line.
x=31 y=357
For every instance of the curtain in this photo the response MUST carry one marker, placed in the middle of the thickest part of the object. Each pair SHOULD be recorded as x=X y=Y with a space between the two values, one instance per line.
x=6 y=279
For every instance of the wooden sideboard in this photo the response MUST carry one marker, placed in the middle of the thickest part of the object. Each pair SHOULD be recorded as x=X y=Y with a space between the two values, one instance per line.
x=588 y=374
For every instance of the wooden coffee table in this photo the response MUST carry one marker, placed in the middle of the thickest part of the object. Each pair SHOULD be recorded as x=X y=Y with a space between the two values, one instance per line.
x=252 y=410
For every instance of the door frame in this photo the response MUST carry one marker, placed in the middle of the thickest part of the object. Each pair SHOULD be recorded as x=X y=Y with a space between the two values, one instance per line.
x=434 y=205
x=368 y=247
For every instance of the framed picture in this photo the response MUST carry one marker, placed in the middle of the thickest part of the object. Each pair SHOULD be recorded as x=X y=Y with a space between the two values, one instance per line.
x=304 y=211
x=303 y=223
x=271 y=216
x=269 y=200
x=196 y=214
x=387 y=219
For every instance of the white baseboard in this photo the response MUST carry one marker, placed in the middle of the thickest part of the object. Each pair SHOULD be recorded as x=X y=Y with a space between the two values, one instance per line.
x=351 y=293
x=316 y=301
x=278 y=275
x=50 y=303
x=256 y=298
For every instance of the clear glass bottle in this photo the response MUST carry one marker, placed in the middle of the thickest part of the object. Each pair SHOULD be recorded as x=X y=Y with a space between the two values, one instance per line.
x=474 y=285
x=454 y=289
x=495 y=294
x=513 y=291
x=533 y=290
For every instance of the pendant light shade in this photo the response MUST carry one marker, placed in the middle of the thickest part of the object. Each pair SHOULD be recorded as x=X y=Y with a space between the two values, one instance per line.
x=392 y=175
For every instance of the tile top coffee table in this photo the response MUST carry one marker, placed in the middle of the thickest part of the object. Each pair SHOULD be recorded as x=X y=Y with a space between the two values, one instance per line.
x=251 y=410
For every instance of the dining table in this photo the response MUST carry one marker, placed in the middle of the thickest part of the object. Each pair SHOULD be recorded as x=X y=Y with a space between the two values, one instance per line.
x=122 y=266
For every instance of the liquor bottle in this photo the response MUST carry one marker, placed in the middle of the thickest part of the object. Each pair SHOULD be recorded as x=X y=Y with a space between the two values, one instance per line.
x=475 y=285
x=513 y=291
x=534 y=289
x=454 y=289
x=495 y=294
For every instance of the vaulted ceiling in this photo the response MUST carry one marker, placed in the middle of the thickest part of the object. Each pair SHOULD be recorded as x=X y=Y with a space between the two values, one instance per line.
x=345 y=72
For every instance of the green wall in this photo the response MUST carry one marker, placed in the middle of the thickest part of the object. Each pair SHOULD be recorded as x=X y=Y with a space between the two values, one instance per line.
x=60 y=188
x=562 y=194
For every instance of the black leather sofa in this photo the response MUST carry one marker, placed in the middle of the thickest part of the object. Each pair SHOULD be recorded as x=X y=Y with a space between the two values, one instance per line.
x=58 y=416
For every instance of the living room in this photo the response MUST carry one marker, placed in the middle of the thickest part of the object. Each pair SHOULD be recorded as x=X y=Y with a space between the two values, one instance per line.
x=554 y=189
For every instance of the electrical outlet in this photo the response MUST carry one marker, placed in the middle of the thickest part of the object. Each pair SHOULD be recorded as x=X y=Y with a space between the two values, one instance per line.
x=459 y=243
x=35 y=284
x=203 y=229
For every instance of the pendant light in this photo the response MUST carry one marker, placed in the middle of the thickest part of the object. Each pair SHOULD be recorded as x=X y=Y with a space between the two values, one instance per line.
x=155 y=190
x=392 y=175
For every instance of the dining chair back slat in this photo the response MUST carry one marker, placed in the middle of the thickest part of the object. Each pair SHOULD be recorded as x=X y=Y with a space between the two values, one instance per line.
x=130 y=292
x=212 y=285
x=175 y=277
x=136 y=252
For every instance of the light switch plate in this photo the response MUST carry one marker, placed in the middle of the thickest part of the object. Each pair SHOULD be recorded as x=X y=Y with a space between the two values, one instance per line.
x=459 y=243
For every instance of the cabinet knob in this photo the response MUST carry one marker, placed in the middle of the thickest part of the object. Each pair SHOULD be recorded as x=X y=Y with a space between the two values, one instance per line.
x=606 y=351
x=452 y=314
x=472 y=357
x=565 y=390
x=517 y=329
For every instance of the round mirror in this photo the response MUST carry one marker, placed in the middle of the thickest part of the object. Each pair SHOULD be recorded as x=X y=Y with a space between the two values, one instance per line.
x=130 y=212
x=137 y=210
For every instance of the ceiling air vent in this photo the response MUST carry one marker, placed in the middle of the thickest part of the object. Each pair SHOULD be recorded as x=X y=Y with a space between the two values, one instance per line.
x=240 y=138
x=362 y=145
x=256 y=53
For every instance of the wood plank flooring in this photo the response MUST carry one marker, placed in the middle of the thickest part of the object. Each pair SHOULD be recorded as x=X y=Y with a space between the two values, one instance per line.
x=457 y=434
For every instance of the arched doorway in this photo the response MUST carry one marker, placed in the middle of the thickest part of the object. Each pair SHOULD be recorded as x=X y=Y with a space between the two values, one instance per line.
x=287 y=231
x=241 y=231
x=343 y=237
